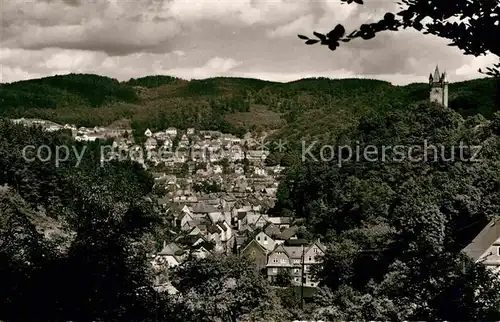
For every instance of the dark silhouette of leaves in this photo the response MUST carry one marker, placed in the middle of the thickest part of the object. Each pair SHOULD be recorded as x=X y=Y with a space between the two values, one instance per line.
x=476 y=33
x=303 y=37
x=320 y=36
x=337 y=32
x=333 y=46
x=311 y=41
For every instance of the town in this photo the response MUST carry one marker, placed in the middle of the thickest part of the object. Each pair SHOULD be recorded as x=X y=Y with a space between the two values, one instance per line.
x=216 y=190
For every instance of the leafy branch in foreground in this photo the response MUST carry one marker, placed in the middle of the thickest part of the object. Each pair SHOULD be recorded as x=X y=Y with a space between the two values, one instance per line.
x=472 y=26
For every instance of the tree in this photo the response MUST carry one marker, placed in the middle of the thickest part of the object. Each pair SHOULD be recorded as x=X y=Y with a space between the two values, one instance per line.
x=73 y=228
x=273 y=159
x=284 y=278
x=472 y=26
x=406 y=220
x=220 y=287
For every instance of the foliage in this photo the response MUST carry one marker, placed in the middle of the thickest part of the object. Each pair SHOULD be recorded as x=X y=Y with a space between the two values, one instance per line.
x=72 y=228
x=406 y=220
x=470 y=26
x=284 y=278
x=207 y=187
x=309 y=108
x=152 y=81
x=219 y=288
x=64 y=91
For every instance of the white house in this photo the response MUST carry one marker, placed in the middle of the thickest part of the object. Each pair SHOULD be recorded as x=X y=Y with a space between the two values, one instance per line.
x=485 y=247
x=171 y=131
x=265 y=241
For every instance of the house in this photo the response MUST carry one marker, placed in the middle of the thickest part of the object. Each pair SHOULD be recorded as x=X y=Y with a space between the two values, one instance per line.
x=245 y=219
x=184 y=141
x=150 y=143
x=261 y=221
x=226 y=231
x=272 y=230
x=235 y=153
x=259 y=171
x=184 y=219
x=172 y=254
x=202 y=209
x=485 y=247
x=201 y=252
x=239 y=169
x=239 y=240
x=277 y=260
x=166 y=287
x=281 y=222
x=228 y=201
x=288 y=234
x=257 y=155
x=270 y=191
x=312 y=256
x=265 y=241
x=256 y=253
x=171 y=131
x=190 y=131
x=217 y=169
x=213 y=234
x=167 y=143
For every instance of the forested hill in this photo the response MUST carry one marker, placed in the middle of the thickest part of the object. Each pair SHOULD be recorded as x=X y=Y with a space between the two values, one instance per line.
x=307 y=107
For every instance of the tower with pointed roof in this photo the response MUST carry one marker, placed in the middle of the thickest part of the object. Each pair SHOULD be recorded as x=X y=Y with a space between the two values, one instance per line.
x=438 y=87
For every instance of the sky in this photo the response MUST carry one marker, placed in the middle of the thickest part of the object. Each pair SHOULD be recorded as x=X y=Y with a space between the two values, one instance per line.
x=206 y=38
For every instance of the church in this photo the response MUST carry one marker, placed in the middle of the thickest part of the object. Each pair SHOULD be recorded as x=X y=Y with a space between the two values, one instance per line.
x=438 y=88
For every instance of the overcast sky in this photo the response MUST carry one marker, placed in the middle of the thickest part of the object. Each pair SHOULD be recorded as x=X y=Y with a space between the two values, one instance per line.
x=205 y=38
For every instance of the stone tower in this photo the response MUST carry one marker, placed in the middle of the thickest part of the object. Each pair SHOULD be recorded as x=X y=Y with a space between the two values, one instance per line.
x=438 y=88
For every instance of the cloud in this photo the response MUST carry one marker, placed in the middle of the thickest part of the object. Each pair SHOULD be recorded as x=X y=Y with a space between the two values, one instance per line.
x=475 y=63
x=196 y=39
x=10 y=74
x=293 y=28
x=217 y=66
x=234 y=12
x=117 y=28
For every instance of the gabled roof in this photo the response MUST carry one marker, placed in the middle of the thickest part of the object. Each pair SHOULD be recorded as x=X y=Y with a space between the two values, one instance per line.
x=204 y=208
x=190 y=239
x=184 y=214
x=294 y=252
x=254 y=242
x=279 y=248
x=296 y=242
x=271 y=229
x=166 y=287
x=170 y=249
x=289 y=232
x=318 y=244
x=229 y=197
x=280 y=220
x=484 y=240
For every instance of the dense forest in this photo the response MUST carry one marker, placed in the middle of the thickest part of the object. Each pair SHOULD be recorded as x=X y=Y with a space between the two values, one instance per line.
x=406 y=220
x=89 y=228
x=316 y=107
